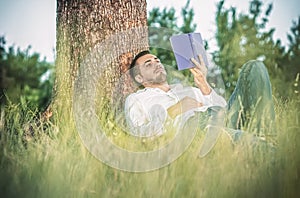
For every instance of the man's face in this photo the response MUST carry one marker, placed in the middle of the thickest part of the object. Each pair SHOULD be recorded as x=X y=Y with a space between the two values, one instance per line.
x=151 y=70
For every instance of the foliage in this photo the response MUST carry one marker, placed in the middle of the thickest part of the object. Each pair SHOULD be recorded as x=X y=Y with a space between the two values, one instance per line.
x=24 y=76
x=58 y=165
x=249 y=39
x=292 y=58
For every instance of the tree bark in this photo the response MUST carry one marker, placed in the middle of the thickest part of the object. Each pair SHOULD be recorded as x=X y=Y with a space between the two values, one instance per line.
x=84 y=24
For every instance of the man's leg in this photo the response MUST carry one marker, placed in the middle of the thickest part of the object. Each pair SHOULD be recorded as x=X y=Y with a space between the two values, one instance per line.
x=250 y=107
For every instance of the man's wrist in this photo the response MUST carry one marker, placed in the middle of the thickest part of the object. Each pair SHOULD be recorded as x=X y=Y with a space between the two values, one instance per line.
x=205 y=88
x=206 y=91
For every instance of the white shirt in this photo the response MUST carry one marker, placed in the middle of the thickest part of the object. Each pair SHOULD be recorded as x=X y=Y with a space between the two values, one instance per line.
x=146 y=110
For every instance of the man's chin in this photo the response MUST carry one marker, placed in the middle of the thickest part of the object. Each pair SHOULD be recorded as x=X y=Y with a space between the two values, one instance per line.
x=161 y=79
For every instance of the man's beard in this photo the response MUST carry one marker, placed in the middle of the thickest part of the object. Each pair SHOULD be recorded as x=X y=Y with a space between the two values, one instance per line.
x=159 y=79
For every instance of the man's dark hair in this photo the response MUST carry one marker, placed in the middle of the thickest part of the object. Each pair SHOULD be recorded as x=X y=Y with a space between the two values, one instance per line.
x=132 y=70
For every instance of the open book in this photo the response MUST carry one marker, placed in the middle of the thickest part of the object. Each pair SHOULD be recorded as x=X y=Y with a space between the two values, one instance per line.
x=187 y=46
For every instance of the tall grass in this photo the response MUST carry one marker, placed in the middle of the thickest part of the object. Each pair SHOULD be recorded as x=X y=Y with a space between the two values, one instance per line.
x=54 y=163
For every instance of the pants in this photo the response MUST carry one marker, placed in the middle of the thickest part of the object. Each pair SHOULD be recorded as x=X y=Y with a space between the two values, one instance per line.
x=250 y=106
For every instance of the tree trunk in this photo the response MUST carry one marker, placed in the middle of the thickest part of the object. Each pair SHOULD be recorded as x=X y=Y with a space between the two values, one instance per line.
x=84 y=24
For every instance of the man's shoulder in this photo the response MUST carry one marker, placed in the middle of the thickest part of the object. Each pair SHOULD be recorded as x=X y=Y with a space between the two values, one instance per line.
x=137 y=94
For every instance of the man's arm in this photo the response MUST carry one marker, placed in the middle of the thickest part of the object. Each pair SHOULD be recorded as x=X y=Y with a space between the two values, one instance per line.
x=184 y=105
x=200 y=72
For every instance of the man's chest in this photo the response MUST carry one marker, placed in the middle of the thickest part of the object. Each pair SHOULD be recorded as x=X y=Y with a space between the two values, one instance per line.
x=167 y=99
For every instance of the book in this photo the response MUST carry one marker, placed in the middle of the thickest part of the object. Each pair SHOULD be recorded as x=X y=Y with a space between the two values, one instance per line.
x=187 y=46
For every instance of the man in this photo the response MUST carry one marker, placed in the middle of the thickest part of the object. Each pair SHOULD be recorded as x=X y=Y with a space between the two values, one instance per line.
x=149 y=109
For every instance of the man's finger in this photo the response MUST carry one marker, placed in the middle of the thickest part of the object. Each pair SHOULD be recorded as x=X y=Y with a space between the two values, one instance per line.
x=193 y=71
x=196 y=81
x=195 y=62
x=196 y=71
x=202 y=66
x=201 y=60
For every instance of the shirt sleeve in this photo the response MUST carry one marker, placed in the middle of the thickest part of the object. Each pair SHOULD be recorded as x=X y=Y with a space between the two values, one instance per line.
x=213 y=99
x=143 y=122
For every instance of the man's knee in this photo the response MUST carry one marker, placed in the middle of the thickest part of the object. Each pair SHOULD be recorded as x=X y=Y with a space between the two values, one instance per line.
x=254 y=65
x=255 y=70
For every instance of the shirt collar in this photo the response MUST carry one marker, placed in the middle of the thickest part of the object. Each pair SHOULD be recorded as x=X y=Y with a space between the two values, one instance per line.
x=172 y=87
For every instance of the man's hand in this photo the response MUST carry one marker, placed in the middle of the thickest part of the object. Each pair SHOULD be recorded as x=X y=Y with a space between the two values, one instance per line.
x=200 y=72
x=184 y=105
x=200 y=66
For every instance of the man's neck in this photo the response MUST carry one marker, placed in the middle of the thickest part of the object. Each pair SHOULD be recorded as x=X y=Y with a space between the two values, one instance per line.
x=164 y=86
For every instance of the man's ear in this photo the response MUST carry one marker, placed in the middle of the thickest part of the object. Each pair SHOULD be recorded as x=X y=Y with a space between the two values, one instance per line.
x=138 y=78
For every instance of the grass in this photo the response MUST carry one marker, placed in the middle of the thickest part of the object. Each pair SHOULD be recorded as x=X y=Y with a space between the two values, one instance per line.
x=54 y=163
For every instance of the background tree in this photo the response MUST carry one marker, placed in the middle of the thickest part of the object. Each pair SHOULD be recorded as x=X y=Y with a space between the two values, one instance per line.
x=24 y=76
x=291 y=63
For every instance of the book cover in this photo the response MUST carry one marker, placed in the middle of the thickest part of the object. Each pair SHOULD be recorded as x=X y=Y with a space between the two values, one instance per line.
x=187 y=46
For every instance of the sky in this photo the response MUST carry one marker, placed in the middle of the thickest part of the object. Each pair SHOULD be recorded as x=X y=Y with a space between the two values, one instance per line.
x=33 y=22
